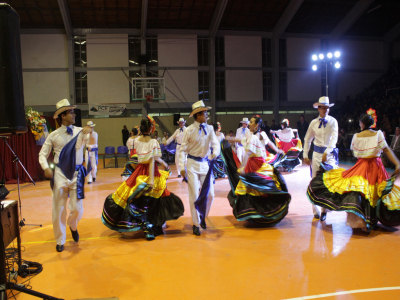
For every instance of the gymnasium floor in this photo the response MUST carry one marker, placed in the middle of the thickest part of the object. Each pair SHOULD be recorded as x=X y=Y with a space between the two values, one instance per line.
x=300 y=258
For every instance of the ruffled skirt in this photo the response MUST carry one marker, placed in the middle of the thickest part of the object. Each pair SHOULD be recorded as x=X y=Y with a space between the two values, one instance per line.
x=364 y=190
x=131 y=165
x=219 y=168
x=133 y=206
x=260 y=195
x=290 y=160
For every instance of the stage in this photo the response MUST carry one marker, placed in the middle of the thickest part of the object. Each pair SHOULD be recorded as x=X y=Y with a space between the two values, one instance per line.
x=299 y=257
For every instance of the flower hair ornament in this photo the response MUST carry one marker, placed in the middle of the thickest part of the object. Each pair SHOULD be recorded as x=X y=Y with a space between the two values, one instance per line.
x=286 y=121
x=219 y=126
x=372 y=113
x=152 y=121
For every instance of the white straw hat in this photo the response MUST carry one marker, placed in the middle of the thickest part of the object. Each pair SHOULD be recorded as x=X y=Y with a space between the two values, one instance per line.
x=323 y=101
x=245 y=120
x=90 y=123
x=198 y=107
x=61 y=106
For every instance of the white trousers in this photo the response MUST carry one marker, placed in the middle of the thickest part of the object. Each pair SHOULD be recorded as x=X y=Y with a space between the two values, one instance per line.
x=63 y=187
x=177 y=154
x=93 y=172
x=315 y=164
x=197 y=172
x=240 y=153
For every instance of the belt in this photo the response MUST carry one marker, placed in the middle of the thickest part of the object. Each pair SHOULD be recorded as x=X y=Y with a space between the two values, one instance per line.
x=319 y=149
x=199 y=159
x=240 y=144
x=80 y=181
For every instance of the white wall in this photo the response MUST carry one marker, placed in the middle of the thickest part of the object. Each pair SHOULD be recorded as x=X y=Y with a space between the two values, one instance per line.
x=44 y=51
x=243 y=51
x=106 y=50
x=243 y=85
x=300 y=50
x=304 y=85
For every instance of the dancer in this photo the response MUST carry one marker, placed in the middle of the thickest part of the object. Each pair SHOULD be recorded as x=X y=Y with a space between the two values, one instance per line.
x=68 y=177
x=197 y=141
x=365 y=191
x=143 y=201
x=219 y=169
x=324 y=131
x=178 y=136
x=259 y=192
x=92 y=154
x=131 y=164
x=240 y=135
x=290 y=146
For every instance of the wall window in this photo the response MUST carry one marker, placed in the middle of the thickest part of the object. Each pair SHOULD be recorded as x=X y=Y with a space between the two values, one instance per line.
x=202 y=51
x=80 y=51
x=219 y=52
x=81 y=88
x=134 y=50
x=204 y=86
x=267 y=53
x=267 y=86
x=282 y=53
x=282 y=86
x=152 y=51
x=220 y=86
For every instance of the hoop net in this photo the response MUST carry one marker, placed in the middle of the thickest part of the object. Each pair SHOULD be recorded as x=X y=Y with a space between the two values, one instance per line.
x=149 y=98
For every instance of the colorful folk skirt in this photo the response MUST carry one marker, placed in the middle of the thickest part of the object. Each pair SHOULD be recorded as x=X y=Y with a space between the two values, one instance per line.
x=364 y=190
x=291 y=159
x=130 y=165
x=133 y=206
x=260 y=195
x=219 y=168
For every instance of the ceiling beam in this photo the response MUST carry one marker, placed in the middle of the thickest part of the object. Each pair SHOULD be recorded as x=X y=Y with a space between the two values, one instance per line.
x=66 y=17
x=217 y=17
x=356 y=12
x=286 y=17
x=145 y=5
x=392 y=33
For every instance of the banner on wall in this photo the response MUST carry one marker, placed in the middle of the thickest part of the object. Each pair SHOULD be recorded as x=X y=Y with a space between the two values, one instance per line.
x=106 y=109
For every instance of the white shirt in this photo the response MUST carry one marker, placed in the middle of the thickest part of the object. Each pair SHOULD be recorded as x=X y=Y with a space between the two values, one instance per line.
x=196 y=143
x=129 y=142
x=178 y=135
x=285 y=135
x=57 y=140
x=220 y=137
x=323 y=137
x=368 y=146
x=240 y=134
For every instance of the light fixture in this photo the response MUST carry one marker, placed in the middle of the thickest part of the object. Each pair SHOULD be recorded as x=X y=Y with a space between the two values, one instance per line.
x=337 y=65
x=337 y=54
x=314 y=57
x=52 y=166
x=329 y=55
x=314 y=67
x=321 y=56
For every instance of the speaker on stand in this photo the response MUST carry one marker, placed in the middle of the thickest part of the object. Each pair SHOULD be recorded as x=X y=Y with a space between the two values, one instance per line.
x=176 y=119
x=78 y=117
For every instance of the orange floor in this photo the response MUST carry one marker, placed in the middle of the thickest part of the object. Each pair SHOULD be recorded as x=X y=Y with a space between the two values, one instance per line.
x=299 y=257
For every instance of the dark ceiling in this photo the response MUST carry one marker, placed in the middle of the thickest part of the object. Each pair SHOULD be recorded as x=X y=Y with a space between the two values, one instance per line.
x=313 y=16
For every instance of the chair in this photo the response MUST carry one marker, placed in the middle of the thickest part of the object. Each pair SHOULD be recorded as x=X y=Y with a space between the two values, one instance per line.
x=109 y=153
x=121 y=152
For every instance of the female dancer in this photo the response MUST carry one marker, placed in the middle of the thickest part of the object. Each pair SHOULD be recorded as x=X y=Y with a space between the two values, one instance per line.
x=219 y=169
x=291 y=147
x=364 y=191
x=143 y=201
x=260 y=192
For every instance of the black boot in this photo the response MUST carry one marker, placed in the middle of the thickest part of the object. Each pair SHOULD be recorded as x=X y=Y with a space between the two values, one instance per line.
x=196 y=230
x=75 y=235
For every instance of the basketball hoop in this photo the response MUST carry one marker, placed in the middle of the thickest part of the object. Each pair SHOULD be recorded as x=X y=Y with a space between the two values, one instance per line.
x=149 y=98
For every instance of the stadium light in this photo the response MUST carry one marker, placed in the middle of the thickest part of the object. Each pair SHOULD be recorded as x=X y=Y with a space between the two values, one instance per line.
x=314 y=67
x=337 y=65
x=329 y=55
x=337 y=54
x=321 y=56
x=314 y=57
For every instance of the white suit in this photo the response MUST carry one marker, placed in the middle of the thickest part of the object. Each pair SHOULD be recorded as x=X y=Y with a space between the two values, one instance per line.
x=178 y=135
x=241 y=134
x=62 y=185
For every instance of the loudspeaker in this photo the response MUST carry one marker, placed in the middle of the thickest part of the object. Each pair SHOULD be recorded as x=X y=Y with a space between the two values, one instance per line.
x=78 y=117
x=143 y=59
x=12 y=112
x=176 y=118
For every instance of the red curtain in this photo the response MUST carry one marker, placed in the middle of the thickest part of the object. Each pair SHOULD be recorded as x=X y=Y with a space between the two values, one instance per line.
x=25 y=147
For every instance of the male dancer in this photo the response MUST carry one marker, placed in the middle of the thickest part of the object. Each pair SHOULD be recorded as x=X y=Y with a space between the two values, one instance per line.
x=324 y=131
x=240 y=134
x=178 y=135
x=92 y=154
x=68 y=178
x=197 y=141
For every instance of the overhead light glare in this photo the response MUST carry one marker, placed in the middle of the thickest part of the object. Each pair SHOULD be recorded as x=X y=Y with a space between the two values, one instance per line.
x=337 y=54
x=337 y=65
x=314 y=67
x=314 y=57
x=329 y=55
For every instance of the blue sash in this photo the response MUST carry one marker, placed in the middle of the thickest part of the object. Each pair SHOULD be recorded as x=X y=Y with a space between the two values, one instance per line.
x=198 y=159
x=89 y=163
x=201 y=202
x=171 y=148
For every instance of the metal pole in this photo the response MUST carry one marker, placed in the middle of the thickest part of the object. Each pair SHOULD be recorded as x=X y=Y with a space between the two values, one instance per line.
x=326 y=78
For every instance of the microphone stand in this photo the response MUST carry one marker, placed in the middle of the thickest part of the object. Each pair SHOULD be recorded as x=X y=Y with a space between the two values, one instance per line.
x=16 y=160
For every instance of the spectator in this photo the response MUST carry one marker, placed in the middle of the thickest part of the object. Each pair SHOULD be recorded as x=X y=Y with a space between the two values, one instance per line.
x=395 y=145
x=266 y=128
x=342 y=142
x=125 y=135
x=156 y=137
x=302 y=127
x=275 y=126
x=231 y=134
x=165 y=138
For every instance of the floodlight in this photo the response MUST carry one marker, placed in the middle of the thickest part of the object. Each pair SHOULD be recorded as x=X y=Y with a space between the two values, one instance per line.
x=321 y=56
x=337 y=54
x=314 y=67
x=337 y=65
x=329 y=55
x=314 y=57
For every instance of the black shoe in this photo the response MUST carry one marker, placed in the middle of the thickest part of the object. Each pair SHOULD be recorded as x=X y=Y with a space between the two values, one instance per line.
x=323 y=216
x=179 y=176
x=89 y=182
x=75 y=235
x=196 y=230
x=203 y=224
x=316 y=216
x=158 y=230
x=60 y=248
x=94 y=179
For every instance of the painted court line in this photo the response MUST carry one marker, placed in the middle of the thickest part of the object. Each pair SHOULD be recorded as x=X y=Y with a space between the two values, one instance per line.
x=347 y=292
